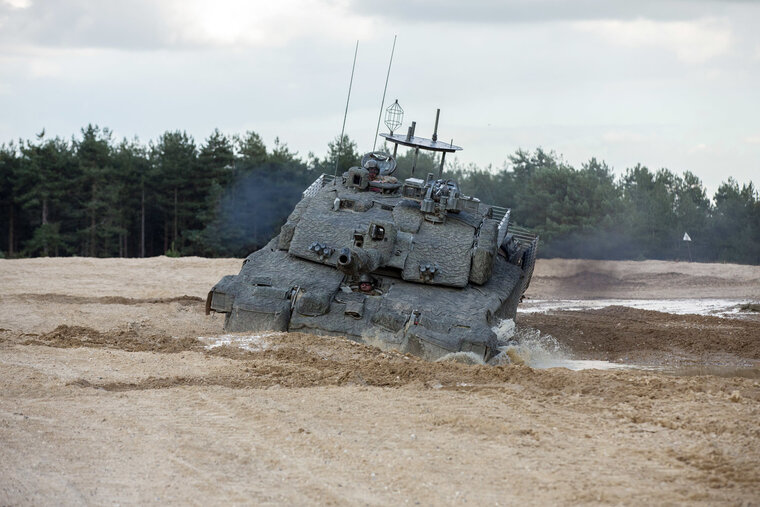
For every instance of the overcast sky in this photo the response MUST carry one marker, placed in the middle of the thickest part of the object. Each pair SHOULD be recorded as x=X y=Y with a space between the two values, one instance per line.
x=671 y=84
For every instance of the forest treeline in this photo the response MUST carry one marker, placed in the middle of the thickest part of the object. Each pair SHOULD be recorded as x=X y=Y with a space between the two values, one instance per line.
x=95 y=196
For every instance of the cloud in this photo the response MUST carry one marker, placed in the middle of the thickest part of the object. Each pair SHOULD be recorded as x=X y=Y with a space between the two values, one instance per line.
x=17 y=4
x=520 y=11
x=153 y=24
x=43 y=67
x=240 y=22
x=173 y=24
x=691 y=41
x=698 y=148
x=79 y=23
x=623 y=136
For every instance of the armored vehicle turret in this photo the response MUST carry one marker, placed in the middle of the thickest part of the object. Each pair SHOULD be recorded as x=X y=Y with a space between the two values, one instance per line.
x=413 y=265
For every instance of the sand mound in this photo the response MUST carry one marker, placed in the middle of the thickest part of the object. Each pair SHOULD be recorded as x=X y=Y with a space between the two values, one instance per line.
x=76 y=336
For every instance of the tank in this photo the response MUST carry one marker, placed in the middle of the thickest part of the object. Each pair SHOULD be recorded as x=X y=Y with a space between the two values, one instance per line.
x=413 y=265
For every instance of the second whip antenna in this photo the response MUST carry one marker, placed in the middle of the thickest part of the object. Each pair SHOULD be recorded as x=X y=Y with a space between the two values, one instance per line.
x=382 y=103
x=343 y=129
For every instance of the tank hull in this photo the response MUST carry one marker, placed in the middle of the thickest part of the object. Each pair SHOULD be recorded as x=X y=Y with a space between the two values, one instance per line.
x=280 y=288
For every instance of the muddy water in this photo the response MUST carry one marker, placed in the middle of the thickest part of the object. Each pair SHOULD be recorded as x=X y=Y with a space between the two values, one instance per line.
x=543 y=351
x=522 y=346
x=719 y=307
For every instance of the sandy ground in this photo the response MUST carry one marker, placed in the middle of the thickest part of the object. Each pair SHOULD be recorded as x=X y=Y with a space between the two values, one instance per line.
x=107 y=395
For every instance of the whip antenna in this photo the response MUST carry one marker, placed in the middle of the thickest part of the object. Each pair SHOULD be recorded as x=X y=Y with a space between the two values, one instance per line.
x=374 y=141
x=343 y=129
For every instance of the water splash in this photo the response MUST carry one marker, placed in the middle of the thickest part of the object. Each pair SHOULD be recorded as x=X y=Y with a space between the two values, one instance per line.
x=538 y=350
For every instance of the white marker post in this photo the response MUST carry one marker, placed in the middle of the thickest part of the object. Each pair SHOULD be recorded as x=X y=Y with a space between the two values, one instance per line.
x=687 y=239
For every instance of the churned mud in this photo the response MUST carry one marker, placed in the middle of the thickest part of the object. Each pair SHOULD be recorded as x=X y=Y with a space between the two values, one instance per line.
x=115 y=387
x=630 y=335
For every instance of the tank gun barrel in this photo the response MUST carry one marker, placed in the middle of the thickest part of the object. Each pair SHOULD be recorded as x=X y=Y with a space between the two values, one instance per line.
x=355 y=261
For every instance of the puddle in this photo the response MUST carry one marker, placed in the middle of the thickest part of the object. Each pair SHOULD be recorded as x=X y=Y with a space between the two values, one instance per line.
x=714 y=307
x=252 y=343
x=581 y=364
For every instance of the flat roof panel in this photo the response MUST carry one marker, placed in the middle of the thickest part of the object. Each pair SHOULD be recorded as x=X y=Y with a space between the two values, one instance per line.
x=422 y=143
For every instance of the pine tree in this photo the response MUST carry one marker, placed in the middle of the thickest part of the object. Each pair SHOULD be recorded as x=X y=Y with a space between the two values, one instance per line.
x=44 y=188
x=100 y=193
x=132 y=167
x=9 y=168
x=175 y=165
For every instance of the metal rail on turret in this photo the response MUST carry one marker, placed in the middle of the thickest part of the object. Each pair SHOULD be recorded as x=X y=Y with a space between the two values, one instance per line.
x=320 y=182
x=521 y=233
x=507 y=225
x=497 y=212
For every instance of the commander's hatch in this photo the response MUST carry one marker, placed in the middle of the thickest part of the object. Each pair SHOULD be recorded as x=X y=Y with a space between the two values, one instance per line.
x=393 y=116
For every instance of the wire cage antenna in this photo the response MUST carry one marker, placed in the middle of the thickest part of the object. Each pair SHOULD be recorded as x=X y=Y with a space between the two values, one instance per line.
x=348 y=99
x=382 y=103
